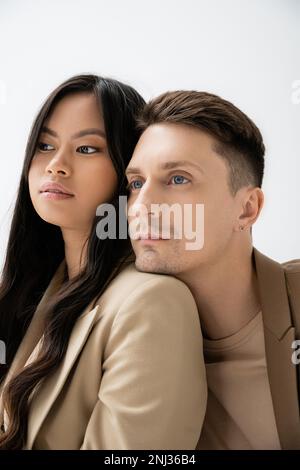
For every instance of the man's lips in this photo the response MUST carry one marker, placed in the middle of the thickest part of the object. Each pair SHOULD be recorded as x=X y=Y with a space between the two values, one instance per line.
x=151 y=238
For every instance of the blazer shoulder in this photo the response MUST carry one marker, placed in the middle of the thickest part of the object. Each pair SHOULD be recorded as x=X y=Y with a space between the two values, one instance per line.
x=131 y=282
x=291 y=266
x=292 y=277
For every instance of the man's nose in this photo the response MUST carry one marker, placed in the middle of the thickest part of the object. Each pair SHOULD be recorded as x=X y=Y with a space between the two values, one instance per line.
x=147 y=197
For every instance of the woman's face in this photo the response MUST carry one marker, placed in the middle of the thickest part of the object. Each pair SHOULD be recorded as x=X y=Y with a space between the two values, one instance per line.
x=72 y=152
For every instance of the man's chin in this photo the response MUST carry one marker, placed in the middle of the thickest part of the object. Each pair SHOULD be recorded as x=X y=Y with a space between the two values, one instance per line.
x=149 y=264
x=145 y=266
x=152 y=264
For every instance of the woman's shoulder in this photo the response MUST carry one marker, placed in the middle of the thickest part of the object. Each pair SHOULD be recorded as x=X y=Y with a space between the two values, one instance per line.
x=133 y=279
x=130 y=283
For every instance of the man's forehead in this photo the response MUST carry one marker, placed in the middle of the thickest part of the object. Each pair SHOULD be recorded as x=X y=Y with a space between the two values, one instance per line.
x=201 y=158
x=163 y=165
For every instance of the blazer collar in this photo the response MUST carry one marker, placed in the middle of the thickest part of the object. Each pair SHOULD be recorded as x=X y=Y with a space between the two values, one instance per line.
x=279 y=334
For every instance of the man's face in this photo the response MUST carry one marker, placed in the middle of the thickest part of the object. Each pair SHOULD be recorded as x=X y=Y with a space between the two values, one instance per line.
x=176 y=164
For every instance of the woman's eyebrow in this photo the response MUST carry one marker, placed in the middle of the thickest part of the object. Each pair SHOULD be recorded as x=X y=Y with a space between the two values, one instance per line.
x=90 y=131
x=47 y=130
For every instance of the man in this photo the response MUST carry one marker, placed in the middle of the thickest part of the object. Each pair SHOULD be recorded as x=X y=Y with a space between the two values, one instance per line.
x=199 y=148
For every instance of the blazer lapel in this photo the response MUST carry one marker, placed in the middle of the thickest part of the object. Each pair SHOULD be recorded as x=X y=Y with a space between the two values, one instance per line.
x=49 y=390
x=35 y=328
x=279 y=334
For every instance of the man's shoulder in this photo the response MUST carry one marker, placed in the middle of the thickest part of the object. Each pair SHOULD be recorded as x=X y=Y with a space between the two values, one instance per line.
x=291 y=266
x=279 y=287
x=292 y=277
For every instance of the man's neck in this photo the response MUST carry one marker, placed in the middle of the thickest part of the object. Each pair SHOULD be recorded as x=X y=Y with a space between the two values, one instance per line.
x=226 y=294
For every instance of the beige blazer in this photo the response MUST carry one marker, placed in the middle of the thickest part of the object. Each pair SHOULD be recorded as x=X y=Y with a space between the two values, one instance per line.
x=133 y=376
x=276 y=281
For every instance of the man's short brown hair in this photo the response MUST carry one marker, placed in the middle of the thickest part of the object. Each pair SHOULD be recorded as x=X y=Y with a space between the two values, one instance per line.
x=237 y=139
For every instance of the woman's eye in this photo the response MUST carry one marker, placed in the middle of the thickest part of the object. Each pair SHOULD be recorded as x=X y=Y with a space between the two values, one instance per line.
x=135 y=184
x=87 y=149
x=178 y=179
x=44 y=147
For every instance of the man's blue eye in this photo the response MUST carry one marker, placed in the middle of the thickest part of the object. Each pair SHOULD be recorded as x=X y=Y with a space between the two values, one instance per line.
x=178 y=179
x=136 y=184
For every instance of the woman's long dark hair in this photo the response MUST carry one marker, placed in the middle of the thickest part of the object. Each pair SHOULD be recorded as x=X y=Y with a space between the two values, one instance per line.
x=36 y=248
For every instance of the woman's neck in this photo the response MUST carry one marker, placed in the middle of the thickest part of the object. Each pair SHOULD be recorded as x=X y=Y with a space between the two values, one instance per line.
x=75 y=250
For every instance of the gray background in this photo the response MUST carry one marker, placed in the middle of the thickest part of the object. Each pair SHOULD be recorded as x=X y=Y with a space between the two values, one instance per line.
x=247 y=51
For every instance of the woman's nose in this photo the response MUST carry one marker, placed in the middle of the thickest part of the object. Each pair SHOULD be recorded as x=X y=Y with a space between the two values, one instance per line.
x=59 y=164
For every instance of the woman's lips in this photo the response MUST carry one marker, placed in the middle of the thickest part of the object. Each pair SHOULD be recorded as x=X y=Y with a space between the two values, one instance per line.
x=55 y=195
x=55 y=187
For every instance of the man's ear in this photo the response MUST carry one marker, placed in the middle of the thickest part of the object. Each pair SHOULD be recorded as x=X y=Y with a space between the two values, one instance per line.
x=252 y=203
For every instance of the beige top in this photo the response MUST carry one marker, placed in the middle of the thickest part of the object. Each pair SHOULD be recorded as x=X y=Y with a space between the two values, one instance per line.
x=239 y=411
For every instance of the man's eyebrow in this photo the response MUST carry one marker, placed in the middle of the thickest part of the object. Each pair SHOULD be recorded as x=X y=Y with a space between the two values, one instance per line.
x=176 y=163
x=132 y=170
x=167 y=166
x=90 y=131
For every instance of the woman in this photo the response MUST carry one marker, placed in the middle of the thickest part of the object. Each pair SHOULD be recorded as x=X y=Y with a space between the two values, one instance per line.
x=99 y=355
